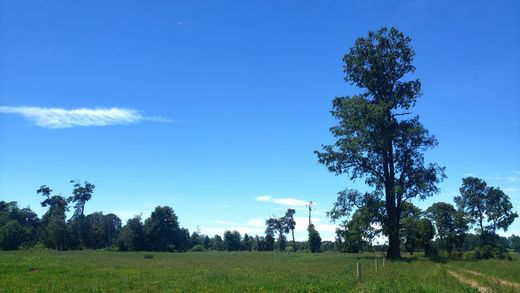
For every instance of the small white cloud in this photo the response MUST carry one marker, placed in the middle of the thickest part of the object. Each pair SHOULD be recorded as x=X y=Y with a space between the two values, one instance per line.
x=290 y=201
x=67 y=118
x=222 y=222
x=256 y=222
x=287 y=201
x=264 y=198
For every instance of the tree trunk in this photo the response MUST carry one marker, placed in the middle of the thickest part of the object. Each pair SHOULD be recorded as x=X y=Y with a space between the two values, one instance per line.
x=293 y=241
x=393 y=233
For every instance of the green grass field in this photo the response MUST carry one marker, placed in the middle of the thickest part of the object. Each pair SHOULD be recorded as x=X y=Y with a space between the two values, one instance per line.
x=106 y=271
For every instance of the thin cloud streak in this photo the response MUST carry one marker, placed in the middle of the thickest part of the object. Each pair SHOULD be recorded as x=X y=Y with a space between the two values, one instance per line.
x=55 y=118
x=287 y=201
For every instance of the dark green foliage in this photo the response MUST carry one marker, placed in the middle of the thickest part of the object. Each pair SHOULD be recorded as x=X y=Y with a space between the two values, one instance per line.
x=217 y=243
x=206 y=243
x=426 y=233
x=264 y=243
x=410 y=233
x=451 y=226
x=515 y=242
x=25 y=219
x=314 y=239
x=101 y=230
x=357 y=233
x=53 y=222
x=132 y=236
x=416 y=232
x=45 y=191
x=279 y=226
x=111 y=229
x=247 y=243
x=197 y=248
x=11 y=235
x=196 y=239
x=375 y=140
x=487 y=252
x=162 y=230
x=232 y=241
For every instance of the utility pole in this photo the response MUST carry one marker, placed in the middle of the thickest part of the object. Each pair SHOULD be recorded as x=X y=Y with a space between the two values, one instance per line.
x=310 y=205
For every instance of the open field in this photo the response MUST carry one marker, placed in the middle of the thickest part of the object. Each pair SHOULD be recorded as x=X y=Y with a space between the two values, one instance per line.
x=102 y=271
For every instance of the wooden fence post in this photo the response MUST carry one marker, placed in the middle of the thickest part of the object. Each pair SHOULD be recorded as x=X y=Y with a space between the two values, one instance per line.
x=358 y=270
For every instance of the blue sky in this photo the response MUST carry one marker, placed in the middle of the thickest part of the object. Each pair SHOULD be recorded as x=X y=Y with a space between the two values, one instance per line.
x=209 y=105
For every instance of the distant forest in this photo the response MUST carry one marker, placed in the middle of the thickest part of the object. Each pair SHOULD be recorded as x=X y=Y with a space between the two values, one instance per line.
x=21 y=228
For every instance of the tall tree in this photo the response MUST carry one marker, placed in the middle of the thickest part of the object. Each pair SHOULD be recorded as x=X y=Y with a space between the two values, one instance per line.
x=232 y=240
x=248 y=242
x=45 y=191
x=410 y=233
x=54 y=224
x=473 y=193
x=277 y=225
x=375 y=138
x=111 y=229
x=450 y=225
x=482 y=204
x=499 y=210
x=80 y=195
x=314 y=239
x=217 y=243
x=426 y=232
x=162 y=229
x=132 y=235
x=290 y=225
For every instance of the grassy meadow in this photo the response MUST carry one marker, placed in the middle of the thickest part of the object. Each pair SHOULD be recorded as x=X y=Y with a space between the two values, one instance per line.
x=107 y=271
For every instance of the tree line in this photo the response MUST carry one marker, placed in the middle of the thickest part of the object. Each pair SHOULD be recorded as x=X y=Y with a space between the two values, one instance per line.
x=22 y=228
x=442 y=226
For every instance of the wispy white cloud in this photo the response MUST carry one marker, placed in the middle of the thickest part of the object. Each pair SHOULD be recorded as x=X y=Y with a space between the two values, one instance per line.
x=497 y=177
x=290 y=201
x=256 y=222
x=222 y=222
x=287 y=201
x=67 y=118
x=264 y=198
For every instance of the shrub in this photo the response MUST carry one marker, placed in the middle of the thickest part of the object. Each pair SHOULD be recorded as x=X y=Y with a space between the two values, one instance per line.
x=197 y=248
x=487 y=252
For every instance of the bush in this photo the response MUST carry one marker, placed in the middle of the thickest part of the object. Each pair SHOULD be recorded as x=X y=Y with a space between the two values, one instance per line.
x=11 y=235
x=487 y=252
x=500 y=252
x=470 y=255
x=197 y=248
x=314 y=239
